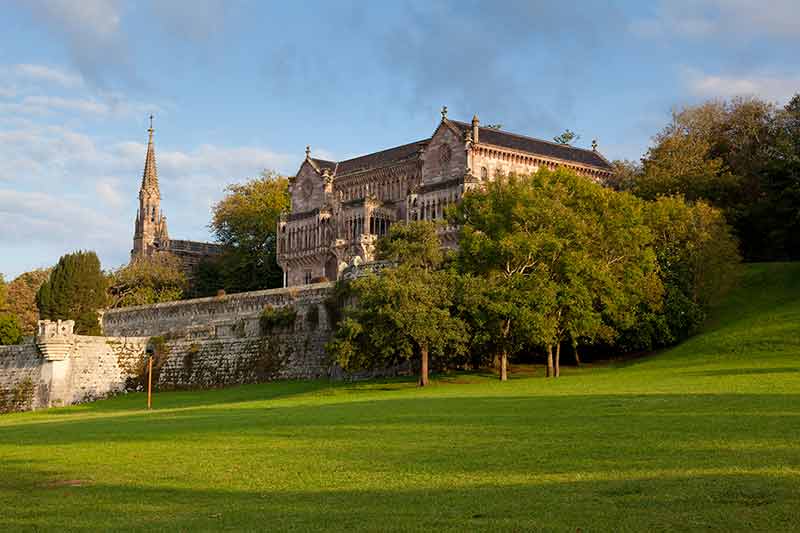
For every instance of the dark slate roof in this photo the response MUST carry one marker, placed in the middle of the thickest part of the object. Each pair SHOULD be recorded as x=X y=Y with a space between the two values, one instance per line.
x=536 y=146
x=381 y=159
x=322 y=164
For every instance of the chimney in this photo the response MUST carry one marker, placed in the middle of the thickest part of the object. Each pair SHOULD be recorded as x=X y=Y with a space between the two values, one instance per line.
x=475 y=127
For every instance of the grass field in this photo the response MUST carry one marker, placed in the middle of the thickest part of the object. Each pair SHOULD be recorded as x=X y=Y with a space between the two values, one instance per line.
x=705 y=436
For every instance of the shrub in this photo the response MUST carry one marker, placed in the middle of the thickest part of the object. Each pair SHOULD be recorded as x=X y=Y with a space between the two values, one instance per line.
x=10 y=329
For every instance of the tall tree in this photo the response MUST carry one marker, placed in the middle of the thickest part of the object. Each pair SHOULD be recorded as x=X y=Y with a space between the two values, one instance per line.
x=21 y=298
x=75 y=290
x=583 y=250
x=404 y=313
x=245 y=222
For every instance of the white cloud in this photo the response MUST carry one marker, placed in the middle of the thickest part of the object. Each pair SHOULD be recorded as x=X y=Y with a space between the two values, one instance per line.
x=773 y=88
x=51 y=218
x=730 y=19
x=107 y=191
x=49 y=74
x=46 y=104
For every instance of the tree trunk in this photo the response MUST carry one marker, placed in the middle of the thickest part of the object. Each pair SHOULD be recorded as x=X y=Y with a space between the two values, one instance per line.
x=504 y=366
x=558 y=359
x=549 y=360
x=423 y=372
x=577 y=357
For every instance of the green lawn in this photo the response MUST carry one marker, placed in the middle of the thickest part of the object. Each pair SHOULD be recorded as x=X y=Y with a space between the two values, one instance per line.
x=705 y=436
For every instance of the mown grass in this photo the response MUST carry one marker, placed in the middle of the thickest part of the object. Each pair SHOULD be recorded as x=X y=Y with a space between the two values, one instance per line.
x=705 y=436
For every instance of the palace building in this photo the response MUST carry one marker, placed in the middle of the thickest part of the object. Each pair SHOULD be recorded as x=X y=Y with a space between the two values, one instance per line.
x=339 y=209
x=150 y=234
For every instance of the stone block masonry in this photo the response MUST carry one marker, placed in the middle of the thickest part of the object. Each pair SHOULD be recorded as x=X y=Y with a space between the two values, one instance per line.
x=201 y=343
x=219 y=341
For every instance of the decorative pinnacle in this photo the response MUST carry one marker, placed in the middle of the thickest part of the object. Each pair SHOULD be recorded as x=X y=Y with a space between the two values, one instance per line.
x=308 y=151
x=475 y=119
x=444 y=112
x=594 y=145
x=150 y=130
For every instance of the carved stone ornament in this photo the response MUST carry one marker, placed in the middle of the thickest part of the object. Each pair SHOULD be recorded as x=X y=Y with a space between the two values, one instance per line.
x=445 y=153
x=306 y=189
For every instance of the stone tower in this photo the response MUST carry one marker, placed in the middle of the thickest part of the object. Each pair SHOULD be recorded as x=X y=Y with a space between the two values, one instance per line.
x=150 y=233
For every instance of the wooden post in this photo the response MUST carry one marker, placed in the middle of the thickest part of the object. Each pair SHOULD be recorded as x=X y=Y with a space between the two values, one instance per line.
x=149 y=382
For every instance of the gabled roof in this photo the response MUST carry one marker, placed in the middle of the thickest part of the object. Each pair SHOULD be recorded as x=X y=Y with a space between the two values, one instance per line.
x=380 y=159
x=322 y=164
x=536 y=146
x=492 y=136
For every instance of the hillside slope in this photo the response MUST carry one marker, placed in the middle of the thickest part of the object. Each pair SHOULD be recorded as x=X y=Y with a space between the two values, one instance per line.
x=701 y=437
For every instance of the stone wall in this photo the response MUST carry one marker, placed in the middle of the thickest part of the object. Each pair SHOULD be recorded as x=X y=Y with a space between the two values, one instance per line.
x=20 y=377
x=202 y=343
x=210 y=318
x=213 y=342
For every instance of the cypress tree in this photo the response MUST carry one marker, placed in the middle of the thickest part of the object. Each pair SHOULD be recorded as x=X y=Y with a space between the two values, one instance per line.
x=75 y=291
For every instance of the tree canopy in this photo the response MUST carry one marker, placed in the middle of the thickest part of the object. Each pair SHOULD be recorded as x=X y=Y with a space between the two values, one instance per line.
x=21 y=298
x=568 y=255
x=245 y=222
x=148 y=280
x=405 y=312
x=75 y=290
x=741 y=156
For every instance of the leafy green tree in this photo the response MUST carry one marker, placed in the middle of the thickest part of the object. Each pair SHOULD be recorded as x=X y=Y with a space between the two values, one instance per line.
x=403 y=313
x=582 y=251
x=681 y=163
x=10 y=329
x=148 y=280
x=75 y=290
x=625 y=175
x=245 y=222
x=698 y=264
x=738 y=156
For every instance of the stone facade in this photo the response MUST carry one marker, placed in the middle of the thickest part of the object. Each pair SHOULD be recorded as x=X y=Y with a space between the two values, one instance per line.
x=61 y=368
x=150 y=234
x=339 y=209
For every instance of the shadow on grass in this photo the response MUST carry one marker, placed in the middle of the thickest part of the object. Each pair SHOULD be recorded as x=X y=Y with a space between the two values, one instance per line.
x=743 y=371
x=170 y=399
x=685 y=501
x=531 y=415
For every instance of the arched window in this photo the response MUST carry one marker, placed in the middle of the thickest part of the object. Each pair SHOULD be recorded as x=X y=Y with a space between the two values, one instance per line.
x=484 y=173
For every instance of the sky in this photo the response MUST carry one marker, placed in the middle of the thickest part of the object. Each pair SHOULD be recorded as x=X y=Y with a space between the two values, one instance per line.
x=240 y=86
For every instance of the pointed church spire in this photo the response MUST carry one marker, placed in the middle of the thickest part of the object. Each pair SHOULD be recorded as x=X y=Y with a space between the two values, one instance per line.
x=150 y=174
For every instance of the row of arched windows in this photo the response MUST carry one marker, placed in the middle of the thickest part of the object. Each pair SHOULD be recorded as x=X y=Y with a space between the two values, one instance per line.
x=387 y=189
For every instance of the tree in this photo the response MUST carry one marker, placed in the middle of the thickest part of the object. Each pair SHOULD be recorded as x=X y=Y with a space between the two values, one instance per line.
x=576 y=252
x=75 y=290
x=567 y=138
x=698 y=264
x=10 y=330
x=625 y=175
x=405 y=311
x=681 y=163
x=245 y=222
x=148 y=280
x=737 y=156
x=21 y=298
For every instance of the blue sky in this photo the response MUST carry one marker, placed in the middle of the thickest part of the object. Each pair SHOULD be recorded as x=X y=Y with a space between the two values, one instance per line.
x=238 y=86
